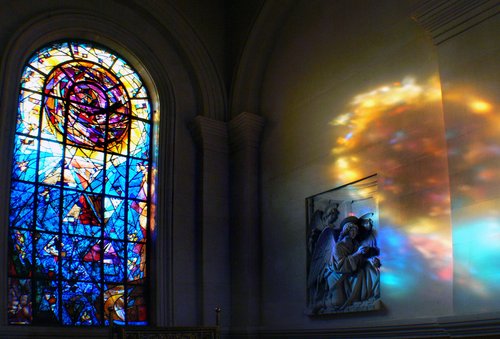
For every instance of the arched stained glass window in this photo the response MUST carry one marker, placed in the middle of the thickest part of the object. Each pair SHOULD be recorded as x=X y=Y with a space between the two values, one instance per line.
x=80 y=205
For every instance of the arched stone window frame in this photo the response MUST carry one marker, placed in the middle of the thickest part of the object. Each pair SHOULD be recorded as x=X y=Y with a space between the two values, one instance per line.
x=151 y=56
x=18 y=52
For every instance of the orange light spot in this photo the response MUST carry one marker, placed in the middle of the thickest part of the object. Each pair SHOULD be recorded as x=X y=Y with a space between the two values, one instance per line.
x=480 y=107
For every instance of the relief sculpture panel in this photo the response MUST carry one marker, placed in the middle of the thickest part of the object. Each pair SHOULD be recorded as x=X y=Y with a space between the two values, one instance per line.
x=343 y=273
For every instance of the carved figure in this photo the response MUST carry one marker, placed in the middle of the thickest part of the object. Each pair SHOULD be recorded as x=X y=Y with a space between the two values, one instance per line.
x=344 y=272
x=321 y=220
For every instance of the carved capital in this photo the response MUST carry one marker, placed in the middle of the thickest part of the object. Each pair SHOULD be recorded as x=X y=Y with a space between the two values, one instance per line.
x=444 y=19
x=209 y=134
x=245 y=131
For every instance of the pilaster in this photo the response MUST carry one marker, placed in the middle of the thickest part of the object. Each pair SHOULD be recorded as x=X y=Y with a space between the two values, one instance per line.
x=212 y=140
x=244 y=143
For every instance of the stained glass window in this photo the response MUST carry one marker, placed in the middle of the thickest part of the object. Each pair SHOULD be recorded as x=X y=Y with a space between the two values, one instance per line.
x=80 y=205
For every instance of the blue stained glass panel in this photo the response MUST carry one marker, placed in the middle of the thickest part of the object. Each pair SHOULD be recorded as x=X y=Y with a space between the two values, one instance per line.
x=116 y=175
x=138 y=179
x=25 y=158
x=22 y=205
x=47 y=247
x=81 y=258
x=46 y=311
x=82 y=214
x=114 y=218
x=79 y=213
x=50 y=163
x=81 y=302
x=20 y=253
x=114 y=261
x=47 y=216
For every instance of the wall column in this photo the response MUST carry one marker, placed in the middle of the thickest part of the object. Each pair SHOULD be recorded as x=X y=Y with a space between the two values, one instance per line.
x=212 y=139
x=244 y=137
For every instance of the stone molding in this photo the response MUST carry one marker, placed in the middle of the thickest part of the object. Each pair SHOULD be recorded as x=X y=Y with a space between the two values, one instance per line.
x=245 y=131
x=444 y=19
x=209 y=134
x=209 y=80
x=465 y=326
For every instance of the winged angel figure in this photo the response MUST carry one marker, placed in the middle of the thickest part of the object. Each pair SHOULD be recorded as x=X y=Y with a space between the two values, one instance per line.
x=344 y=268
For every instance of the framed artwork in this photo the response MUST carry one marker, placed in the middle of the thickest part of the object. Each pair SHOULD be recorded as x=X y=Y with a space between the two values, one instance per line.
x=343 y=263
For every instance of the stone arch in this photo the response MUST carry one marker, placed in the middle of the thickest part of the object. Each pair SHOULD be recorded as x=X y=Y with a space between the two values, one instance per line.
x=152 y=56
x=254 y=58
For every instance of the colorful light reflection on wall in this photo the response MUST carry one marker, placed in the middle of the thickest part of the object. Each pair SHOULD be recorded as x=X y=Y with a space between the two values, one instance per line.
x=440 y=222
x=473 y=132
x=397 y=131
x=80 y=196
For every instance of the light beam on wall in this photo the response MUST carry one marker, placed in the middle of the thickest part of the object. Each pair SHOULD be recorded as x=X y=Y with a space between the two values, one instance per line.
x=376 y=135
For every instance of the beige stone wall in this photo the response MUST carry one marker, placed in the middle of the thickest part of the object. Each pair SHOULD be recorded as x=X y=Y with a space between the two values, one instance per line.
x=469 y=66
x=356 y=88
x=352 y=89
